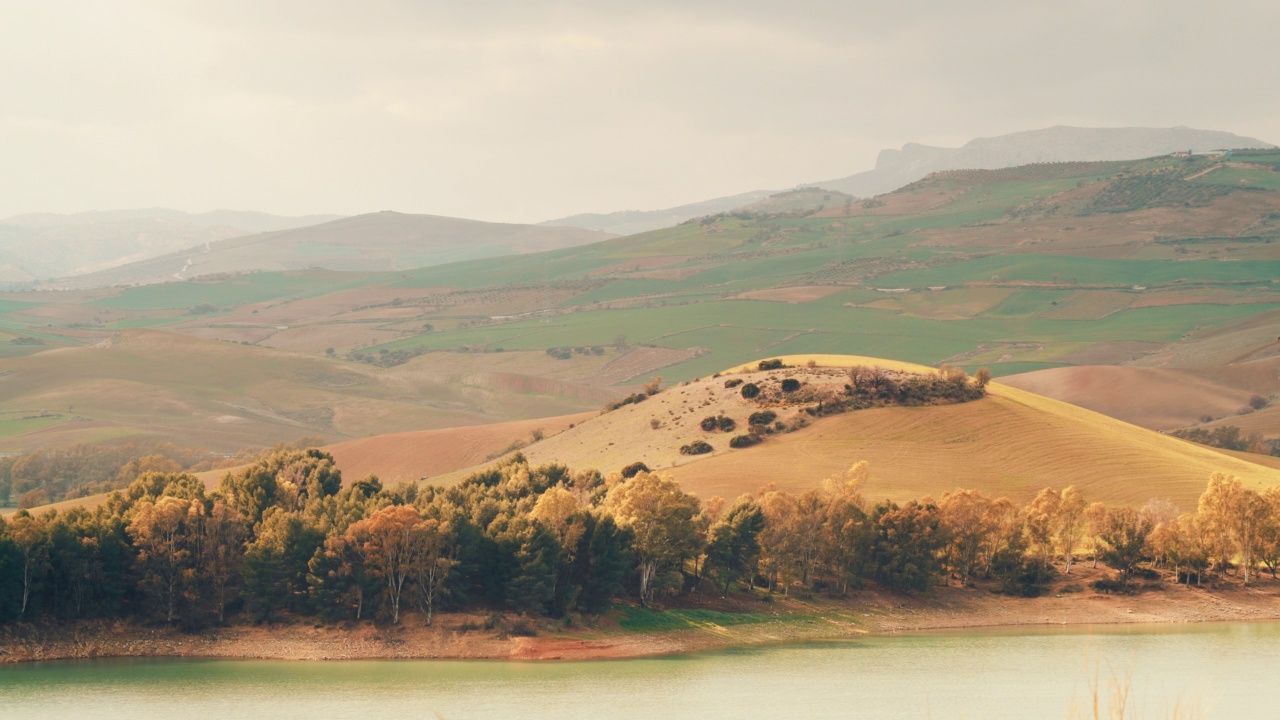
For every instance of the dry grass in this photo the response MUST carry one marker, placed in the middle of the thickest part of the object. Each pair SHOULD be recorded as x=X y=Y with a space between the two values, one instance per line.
x=1011 y=443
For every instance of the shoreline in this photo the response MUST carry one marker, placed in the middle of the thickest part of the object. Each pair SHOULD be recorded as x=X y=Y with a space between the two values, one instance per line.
x=456 y=636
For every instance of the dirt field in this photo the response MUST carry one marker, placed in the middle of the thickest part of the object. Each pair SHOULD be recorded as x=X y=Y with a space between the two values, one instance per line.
x=1157 y=398
x=796 y=294
x=412 y=456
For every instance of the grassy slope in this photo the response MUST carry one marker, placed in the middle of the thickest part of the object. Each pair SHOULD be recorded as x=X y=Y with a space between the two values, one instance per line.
x=1010 y=443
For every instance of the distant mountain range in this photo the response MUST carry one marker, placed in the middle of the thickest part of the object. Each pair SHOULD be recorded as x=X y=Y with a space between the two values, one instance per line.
x=39 y=246
x=630 y=222
x=95 y=249
x=895 y=168
x=373 y=242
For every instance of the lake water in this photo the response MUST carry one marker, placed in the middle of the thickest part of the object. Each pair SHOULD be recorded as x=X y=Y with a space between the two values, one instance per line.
x=1223 y=670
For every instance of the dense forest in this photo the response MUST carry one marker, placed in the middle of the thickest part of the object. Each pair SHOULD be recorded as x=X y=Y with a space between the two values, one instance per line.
x=285 y=537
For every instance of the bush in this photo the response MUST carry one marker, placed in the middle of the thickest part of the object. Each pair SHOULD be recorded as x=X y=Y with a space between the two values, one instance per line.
x=774 y=364
x=750 y=390
x=1108 y=586
x=741 y=441
x=697 y=447
x=790 y=385
x=634 y=469
x=726 y=424
x=708 y=423
x=628 y=400
x=1257 y=402
x=733 y=382
x=764 y=417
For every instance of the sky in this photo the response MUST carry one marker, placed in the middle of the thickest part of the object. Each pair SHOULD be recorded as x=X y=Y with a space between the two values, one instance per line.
x=522 y=111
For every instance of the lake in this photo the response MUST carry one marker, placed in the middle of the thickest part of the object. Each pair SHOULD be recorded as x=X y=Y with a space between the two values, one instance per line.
x=1223 y=670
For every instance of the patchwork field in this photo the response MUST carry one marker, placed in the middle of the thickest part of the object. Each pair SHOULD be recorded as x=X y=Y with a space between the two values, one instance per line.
x=1153 y=263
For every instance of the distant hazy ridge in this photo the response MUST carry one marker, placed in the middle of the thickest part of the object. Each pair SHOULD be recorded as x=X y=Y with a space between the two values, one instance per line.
x=895 y=168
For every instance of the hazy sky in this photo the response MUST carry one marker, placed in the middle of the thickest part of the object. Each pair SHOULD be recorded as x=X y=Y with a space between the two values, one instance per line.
x=523 y=111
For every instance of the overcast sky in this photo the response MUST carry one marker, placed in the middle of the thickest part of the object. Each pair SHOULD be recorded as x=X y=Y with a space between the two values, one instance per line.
x=523 y=111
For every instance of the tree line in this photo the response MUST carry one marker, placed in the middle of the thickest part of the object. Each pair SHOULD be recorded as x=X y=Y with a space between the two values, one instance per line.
x=285 y=536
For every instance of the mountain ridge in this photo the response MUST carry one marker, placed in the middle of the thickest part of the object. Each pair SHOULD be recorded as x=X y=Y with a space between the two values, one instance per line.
x=1060 y=143
x=372 y=242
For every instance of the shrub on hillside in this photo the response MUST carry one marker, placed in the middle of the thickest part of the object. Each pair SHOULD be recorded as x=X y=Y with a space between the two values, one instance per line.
x=697 y=447
x=634 y=469
x=628 y=400
x=711 y=423
x=774 y=364
x=732 y=382
x=741 y=441
x=750 y=390
x=764 y=417
x=790 y=385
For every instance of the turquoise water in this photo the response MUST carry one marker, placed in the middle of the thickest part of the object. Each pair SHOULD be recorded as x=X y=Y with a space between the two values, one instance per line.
x=1222 y=670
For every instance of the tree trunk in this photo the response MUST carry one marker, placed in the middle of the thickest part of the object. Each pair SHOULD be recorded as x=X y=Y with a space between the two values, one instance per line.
x=26 y=585
x=647 y=570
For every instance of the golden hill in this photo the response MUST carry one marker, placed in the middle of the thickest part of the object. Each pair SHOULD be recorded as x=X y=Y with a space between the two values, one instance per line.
x=1010 y=443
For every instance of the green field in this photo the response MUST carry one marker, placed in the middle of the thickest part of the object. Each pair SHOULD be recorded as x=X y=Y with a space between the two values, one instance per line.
x=259 y=287
x=9 y=306
x=638 y=619
x=1085 y=271
x=1247 y=177
x=10 y=426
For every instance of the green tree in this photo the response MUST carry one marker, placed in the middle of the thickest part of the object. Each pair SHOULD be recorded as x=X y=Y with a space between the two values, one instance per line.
x=905 y=546
x=600 y=569
x=531 y=589
x=733 y=544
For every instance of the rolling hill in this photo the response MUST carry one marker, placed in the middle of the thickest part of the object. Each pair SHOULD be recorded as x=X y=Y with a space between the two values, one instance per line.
x=38 y=246
x=383 y=241
x=1166 y=262
x=1010 y=443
